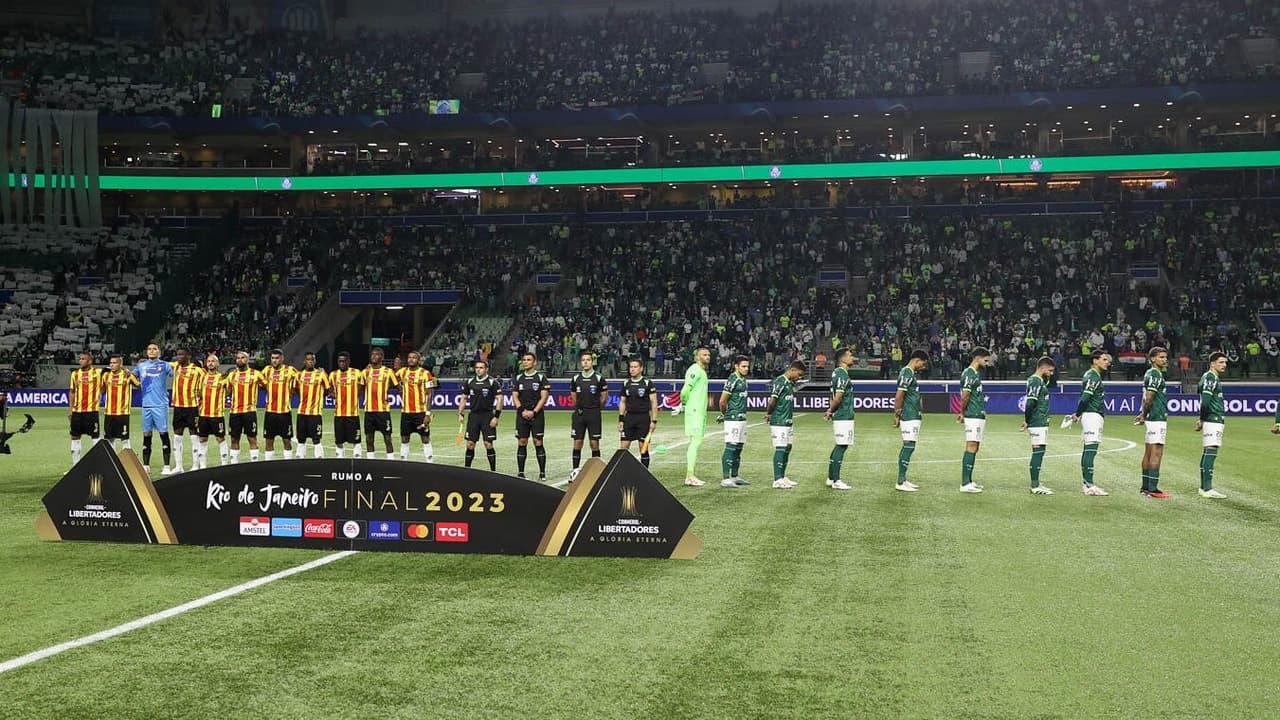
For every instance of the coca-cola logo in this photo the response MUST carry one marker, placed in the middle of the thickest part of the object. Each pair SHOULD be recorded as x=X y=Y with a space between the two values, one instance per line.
x=313 y=528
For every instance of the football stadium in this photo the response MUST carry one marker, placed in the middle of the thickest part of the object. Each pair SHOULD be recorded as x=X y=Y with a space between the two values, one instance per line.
x=575 y=359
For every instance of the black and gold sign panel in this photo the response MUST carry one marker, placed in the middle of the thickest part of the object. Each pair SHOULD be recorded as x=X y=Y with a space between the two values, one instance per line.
x=617 y=510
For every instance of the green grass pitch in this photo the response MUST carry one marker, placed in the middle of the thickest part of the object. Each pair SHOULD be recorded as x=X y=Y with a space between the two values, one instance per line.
x=806 y=603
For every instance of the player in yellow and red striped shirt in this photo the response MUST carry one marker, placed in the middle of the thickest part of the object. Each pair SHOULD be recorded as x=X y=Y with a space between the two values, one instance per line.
x=378 y=379
x=346 y=382
x=417 y=385
x=118 y=384
x=213 y=406
x=244 y=382
x=277 y=421
x=84 y=398
x=313 y=385
x=187 y=379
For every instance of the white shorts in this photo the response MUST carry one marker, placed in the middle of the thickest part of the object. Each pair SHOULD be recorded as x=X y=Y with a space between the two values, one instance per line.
x=782 y=435
x=910 y=430
x=735 y=432
x=1157 y=430
x=843 y=431
x=1091 y=427
x=1039 y=435
x=1211 y=434
x=975 y=429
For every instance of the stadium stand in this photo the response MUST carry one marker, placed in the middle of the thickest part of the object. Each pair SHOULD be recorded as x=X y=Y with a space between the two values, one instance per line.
x=944 y=277
x=800 y=52
x=1025 y=286
x=73 y=289
x=341 y=253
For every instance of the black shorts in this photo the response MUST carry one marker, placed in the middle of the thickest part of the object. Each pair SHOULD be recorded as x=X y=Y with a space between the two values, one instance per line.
x=346 y=430
x=244 y=424
x=115 y=427
x=185 y=418
x=85 y=423
x=277 y=425
x=413 y=424
x=478 y=426
x=215 y=426
x=309 y=428
x=635 y=427
x=536 y=426
x=586 y=423
x=377 y=422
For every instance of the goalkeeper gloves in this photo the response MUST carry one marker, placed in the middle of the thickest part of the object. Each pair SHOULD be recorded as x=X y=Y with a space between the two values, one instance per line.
x=677 y=410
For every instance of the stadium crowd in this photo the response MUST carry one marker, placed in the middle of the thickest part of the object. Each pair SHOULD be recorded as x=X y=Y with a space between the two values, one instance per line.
x=1024 y=286
x=260 y=311
x=798 y=52
x=67 y=289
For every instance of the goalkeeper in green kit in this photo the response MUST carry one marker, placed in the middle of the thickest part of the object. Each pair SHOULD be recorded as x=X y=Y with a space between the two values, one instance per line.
x=693 y=403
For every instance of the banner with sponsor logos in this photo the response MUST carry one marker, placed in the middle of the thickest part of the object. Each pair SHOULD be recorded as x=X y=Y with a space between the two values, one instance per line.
x=446 y=397
x=1129 y=403
x=617 y=510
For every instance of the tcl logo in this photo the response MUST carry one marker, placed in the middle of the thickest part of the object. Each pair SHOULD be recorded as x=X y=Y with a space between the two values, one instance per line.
x=318 y=528
x=453 y=532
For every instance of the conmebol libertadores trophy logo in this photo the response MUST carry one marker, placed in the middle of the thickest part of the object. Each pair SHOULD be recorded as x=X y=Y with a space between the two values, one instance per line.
x=95 y=490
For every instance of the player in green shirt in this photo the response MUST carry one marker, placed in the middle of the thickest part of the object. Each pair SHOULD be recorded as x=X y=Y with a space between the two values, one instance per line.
x=973 y=414
x=1211 y=423
x=733 y=412
x=840 y=413
x=693 y=402
x=782 y=400
x=906 y=415
x=1091 y=412
x=1155 y=416
x=1035 y=418
x=1275 y=429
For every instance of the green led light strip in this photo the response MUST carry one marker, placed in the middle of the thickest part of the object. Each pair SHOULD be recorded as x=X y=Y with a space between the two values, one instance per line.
x=677 y=175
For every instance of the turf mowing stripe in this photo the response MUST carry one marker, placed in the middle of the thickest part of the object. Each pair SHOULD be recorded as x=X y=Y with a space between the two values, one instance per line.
x=1128 y=445
x=561 y=483
x=142 y=622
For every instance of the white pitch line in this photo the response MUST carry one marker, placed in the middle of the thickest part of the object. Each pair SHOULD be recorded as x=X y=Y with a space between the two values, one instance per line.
x=142 y=622
x=561 y=483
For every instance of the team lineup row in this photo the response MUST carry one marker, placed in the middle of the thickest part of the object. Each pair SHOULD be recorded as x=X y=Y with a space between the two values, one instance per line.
x=1090 y=412
x=200 y=409
x=200 y=395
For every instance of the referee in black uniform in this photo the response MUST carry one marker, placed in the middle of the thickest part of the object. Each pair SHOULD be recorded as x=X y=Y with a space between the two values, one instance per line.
x=590 y=394
x=484 y=396
x=531 y=393
x=638 y=409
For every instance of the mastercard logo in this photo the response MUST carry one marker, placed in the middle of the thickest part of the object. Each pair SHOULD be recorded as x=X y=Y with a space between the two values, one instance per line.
x=417 y=531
